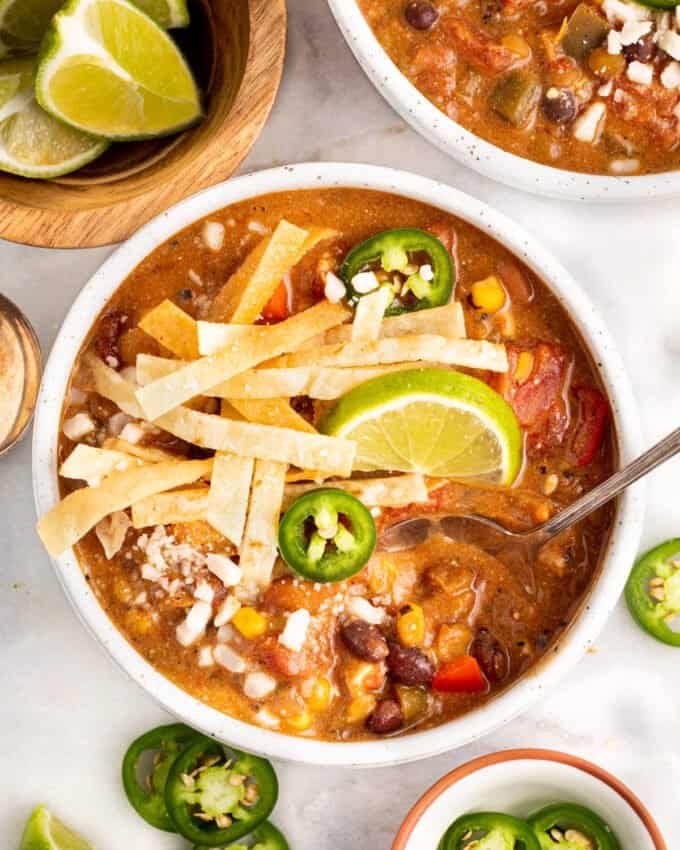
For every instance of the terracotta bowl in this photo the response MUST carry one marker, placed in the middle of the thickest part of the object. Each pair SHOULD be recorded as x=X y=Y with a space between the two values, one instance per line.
x=519 y=782
x=236 y=49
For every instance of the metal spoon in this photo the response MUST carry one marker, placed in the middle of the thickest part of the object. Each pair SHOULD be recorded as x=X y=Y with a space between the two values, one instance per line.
x=492 y=537
x=20 y=373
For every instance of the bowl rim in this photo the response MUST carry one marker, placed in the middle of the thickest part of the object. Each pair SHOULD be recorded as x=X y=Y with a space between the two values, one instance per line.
x=604 y=592
x=473 y=151
x=423 y=804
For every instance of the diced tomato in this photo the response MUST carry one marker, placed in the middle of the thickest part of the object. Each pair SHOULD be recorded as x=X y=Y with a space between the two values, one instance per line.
x=277 y=308
x=593 y=414
x=282 y=661
x=462 y=675
x=536 y=385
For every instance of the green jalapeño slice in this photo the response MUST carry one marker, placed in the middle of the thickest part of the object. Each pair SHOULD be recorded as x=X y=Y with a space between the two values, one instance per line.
x=265 y=837
x=414 y=263
x=489 y=831
x=326 y=535
x=653 y=592
x=216 y=796
x=567 y=826
x=145 y=788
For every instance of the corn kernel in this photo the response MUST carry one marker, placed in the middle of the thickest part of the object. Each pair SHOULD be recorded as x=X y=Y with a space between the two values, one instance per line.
x=360 y=708
x=299 y=722
x=452 y=640
x=122 y=591
x=488 y=294
x=321 y=695
x=362 y=676
x=411 y=625
x=517 y=45
x=250 y=622
x=542 y=512
x=524 y=367
x=138 y=621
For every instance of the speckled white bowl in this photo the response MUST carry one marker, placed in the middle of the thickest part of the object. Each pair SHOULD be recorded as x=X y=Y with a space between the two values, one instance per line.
x=470 y=150
x=596 y=607
x=519 y=782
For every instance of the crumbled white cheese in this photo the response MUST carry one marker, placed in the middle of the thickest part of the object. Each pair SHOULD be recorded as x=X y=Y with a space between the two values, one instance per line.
x=265 y=718
x=614 y=45
x=226 y=634
x=205 y=656
x=258 y=685
x=362 y=608
x=618 y=12
x=670 y=43
x=295 y=631
x=213 y=235
x=227 y=610
x=334 y=289
x=194 y=625
x=587 y=125
x=195 y=278
x=117 y=422
x=132 y=433
x=624 y=166
x=677 y=17
x=606 y=89
x=229 y=659
x=78 y=426
x=365 y=282
x=257 y=227
x=670 y=76
x=204 y=592
x=129 y=374
x=76 y=396
x=426 y=272
x=224 y=568
x=663 y=22
x=633 y=31
x=640 y=73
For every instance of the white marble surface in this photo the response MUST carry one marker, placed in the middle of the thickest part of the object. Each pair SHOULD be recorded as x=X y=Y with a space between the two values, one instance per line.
x=66 y=713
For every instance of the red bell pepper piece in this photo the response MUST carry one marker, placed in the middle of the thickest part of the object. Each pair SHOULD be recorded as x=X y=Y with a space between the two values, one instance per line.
x=593 y=413
x=277 y=309
x=461 y=675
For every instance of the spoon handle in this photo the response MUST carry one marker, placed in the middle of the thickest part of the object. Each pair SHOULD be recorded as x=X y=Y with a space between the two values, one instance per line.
x=615 y=484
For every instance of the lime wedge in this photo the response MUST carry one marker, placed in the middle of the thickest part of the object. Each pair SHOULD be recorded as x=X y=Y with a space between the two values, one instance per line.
x=107 y=69
x=23 y=24
x=46 y=832
x=169 y=14
x=32 y=143
x=434 y=421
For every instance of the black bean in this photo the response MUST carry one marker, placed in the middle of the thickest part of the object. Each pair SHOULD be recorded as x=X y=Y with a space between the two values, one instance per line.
x=364 y=640
x=421 y=15
x=559 y=105
x=643 y=50
x=409 y=665
x=491 y=655
x=386 y=717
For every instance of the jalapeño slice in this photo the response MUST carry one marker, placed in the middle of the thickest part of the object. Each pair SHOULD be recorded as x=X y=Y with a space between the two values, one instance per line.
x=414 y=263
x=568 y=826
x=145 y=785
x=489 y=831
x=653 y=591
x=265 y=837
x=216 y=796
x=326 y=535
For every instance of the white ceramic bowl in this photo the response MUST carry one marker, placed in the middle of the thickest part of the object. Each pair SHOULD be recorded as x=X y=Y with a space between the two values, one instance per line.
x=596 y=608
x=470 y=150
x=519 y=782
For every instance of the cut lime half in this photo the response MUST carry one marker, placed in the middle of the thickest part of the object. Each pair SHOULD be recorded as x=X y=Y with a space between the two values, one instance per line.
x=434 y=421
x=32 y=143
x=169 y=14
x=46 y=832
x=23 y=24
x=107 y=69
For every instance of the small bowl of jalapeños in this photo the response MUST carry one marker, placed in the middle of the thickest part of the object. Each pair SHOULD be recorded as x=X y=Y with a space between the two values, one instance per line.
x=529 y=800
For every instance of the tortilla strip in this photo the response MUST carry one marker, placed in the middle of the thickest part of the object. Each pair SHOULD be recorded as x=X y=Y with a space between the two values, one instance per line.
x=173 y=328
x=369 y=315
x=111 y=532
x=202 y=375
x=81 y=510
x=88 y=463
x=110 y=384
x=244 y=296
x=177 y=506
x=227 y=501
x=265 y=442
x=472 y=353
x=258 y=551
x=393 y=492
x=272 y=411
x=150 y=454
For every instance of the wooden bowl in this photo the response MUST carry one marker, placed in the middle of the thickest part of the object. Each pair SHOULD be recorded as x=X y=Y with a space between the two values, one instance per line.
x=236 y=49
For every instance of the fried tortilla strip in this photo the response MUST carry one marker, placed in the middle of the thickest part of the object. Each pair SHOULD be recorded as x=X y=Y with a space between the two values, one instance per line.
x=88 y=463
x=472 y=353
x=272 y=411
x=111 y=532
x=110 y=384
x=227 y=501
x=202 y=375
x=393 y=492
x=165 y=508
x=369 y=314
x=150 y=454
x=81 y=510
x=264 y=442
x=244 y=296
x=258 y=551
x=173 y=328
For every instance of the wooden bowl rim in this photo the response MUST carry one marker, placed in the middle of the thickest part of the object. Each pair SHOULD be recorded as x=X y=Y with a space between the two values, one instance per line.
x=109 y=224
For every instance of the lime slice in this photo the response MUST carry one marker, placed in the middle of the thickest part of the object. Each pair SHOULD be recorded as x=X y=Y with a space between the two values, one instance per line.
x=32 y=143
x=434 y=421
x=23 y=24
x=107 y=69
x=45 y=832
x=169 y=14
